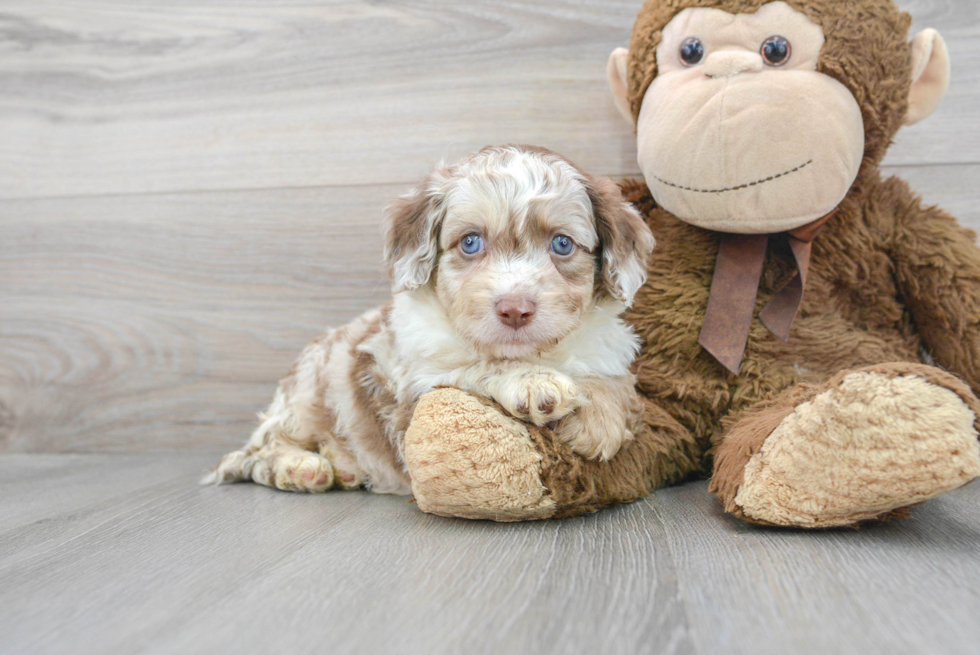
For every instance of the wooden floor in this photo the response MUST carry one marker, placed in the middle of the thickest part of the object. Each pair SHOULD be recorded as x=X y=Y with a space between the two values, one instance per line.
x=189 y=191
x=125 y=554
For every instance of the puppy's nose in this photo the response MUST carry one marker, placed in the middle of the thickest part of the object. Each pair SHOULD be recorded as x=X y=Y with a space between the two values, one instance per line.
x=515 y=312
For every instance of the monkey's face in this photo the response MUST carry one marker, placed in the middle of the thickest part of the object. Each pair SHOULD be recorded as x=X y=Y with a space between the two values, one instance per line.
x=739 y=132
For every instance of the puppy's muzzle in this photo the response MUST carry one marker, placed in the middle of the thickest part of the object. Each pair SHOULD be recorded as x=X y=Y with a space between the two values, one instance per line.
x=515 y=312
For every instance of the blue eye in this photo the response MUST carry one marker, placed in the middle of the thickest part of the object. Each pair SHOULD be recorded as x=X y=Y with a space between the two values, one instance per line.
x=471 y=244
x=562 y=245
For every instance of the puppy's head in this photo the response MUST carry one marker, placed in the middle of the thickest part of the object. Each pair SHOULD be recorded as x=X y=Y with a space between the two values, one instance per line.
x=518 y=244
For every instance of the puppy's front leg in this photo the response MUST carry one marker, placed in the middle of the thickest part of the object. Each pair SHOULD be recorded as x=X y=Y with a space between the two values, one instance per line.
x=533 y=393
x=608 y=419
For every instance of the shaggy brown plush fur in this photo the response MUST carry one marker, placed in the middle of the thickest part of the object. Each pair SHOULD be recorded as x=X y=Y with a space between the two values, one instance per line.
x=889 y=280
x=662 y=453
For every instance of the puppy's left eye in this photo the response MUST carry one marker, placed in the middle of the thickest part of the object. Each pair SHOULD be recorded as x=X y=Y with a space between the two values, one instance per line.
x=471 y=244
x=562 y=245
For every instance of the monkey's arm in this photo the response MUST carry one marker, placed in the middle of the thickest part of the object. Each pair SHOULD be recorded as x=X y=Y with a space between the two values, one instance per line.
x=937 y=268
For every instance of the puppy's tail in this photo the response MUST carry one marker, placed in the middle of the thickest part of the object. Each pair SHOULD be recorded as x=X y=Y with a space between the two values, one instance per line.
x=237 y=466
x=233 y=467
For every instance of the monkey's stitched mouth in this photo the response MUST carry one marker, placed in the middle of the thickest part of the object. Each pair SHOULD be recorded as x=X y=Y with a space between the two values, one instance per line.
x=734 y=188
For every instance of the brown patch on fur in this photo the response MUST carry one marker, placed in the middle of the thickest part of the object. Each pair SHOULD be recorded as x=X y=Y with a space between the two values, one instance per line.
x=411 y=225
x=375 y=403
x=577 y=267
x=287 y=383
x=621 y=231
x=320 y=420
x=622 y=234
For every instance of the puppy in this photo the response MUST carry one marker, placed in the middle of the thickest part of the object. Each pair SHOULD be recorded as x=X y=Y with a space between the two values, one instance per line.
x=510 y=271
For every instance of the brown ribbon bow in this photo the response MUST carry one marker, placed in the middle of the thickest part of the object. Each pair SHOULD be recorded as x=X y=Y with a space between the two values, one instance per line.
x=731 y=302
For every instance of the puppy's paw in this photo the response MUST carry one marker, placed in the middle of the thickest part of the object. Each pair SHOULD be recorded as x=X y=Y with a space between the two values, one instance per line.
x=599 y=430
x=541 y=397
x=595 y=445
x=302 y=471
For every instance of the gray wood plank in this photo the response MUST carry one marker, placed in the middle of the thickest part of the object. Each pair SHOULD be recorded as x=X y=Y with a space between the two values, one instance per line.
x=139 y=322
x=950 y=134
x=102 y=98
x=904 y=587
x=98 y=97
x=164 y=566
x=150 y=321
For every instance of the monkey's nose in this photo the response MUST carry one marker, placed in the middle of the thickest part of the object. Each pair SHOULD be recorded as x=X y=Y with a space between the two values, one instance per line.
x=515 y=312
x=727 y=63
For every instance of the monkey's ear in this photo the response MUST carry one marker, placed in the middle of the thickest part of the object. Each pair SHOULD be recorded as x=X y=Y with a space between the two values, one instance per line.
x=411 y=233
x=930 y=75
x=616 y=72
x=624 y=238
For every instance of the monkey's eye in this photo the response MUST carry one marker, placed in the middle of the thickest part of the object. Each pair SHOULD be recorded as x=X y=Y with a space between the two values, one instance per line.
x=776 y=50
x=562 y=245
x=692 y=51
x=471 y=244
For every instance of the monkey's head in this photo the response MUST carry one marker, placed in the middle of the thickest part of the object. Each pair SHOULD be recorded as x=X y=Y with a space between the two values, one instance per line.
x=757 y=117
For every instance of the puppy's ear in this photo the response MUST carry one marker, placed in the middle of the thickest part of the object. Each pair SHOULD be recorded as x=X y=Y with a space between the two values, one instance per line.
x=411 y=231
x=624 y=238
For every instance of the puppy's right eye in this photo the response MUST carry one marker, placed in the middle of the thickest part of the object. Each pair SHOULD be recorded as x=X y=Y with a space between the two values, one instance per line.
x=471 y=244
x=562 y=245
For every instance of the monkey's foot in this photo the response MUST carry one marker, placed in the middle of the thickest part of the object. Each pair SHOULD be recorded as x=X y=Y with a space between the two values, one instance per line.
x=869 y=445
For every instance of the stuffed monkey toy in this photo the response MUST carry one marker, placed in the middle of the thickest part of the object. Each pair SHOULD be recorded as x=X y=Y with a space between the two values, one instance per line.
x=811 y=330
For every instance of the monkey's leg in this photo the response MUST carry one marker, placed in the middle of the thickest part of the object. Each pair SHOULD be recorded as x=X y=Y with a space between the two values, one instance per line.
x=865 y=446
x=468 y=459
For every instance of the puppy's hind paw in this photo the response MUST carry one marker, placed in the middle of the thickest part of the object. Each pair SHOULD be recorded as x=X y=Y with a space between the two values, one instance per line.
x=302 y=471
x=282 y=467
x=231 y=468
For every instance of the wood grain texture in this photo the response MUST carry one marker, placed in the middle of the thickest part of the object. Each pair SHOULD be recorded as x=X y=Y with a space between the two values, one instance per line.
x=101 y=97
x=124 y=554
x=164 y=321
